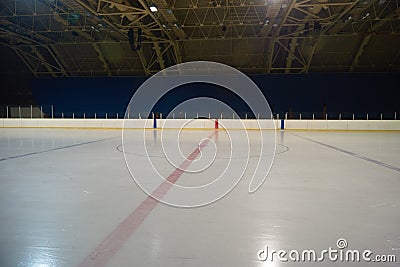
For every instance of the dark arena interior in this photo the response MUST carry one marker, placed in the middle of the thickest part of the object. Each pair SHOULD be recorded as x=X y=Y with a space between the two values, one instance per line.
x=199 y=133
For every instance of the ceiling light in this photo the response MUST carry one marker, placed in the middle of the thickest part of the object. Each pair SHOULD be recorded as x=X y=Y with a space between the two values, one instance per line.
x=153 y=8
x=365 y=16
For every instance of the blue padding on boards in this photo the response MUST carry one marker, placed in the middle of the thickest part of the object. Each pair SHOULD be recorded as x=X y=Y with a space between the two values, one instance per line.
x=282 y=124
x=155 y=123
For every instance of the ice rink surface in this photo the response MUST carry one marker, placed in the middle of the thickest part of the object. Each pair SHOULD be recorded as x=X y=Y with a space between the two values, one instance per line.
x=67 y=199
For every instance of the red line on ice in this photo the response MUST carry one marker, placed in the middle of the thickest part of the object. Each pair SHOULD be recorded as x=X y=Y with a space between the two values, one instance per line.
x=118 y=237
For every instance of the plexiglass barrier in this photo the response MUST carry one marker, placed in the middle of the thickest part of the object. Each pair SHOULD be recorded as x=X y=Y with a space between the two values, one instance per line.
x=50 y=111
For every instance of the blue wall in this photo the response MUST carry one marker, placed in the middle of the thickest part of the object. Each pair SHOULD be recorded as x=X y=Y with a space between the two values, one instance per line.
x=358 y=93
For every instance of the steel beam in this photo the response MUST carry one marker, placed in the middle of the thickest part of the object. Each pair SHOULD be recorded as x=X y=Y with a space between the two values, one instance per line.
x=25 y=62
x=365 y=41
x=326 y=29
x=58 y=58
x=271 y=49
x=102 y=58
x=293 y=43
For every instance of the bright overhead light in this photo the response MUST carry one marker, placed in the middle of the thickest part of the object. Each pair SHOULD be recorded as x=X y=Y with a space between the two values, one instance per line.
x=153 y=8
x=365 y=16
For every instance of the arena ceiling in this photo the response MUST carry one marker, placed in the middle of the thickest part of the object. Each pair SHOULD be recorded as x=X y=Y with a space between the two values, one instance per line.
x=53 y=38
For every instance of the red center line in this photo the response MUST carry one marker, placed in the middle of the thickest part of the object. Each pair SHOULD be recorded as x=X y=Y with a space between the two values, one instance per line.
x=102 y=254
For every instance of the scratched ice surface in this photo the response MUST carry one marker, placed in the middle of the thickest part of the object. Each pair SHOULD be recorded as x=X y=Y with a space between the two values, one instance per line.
x=67 y=199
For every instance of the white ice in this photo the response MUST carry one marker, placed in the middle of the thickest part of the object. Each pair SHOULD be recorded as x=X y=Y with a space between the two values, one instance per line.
x=62 y=192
